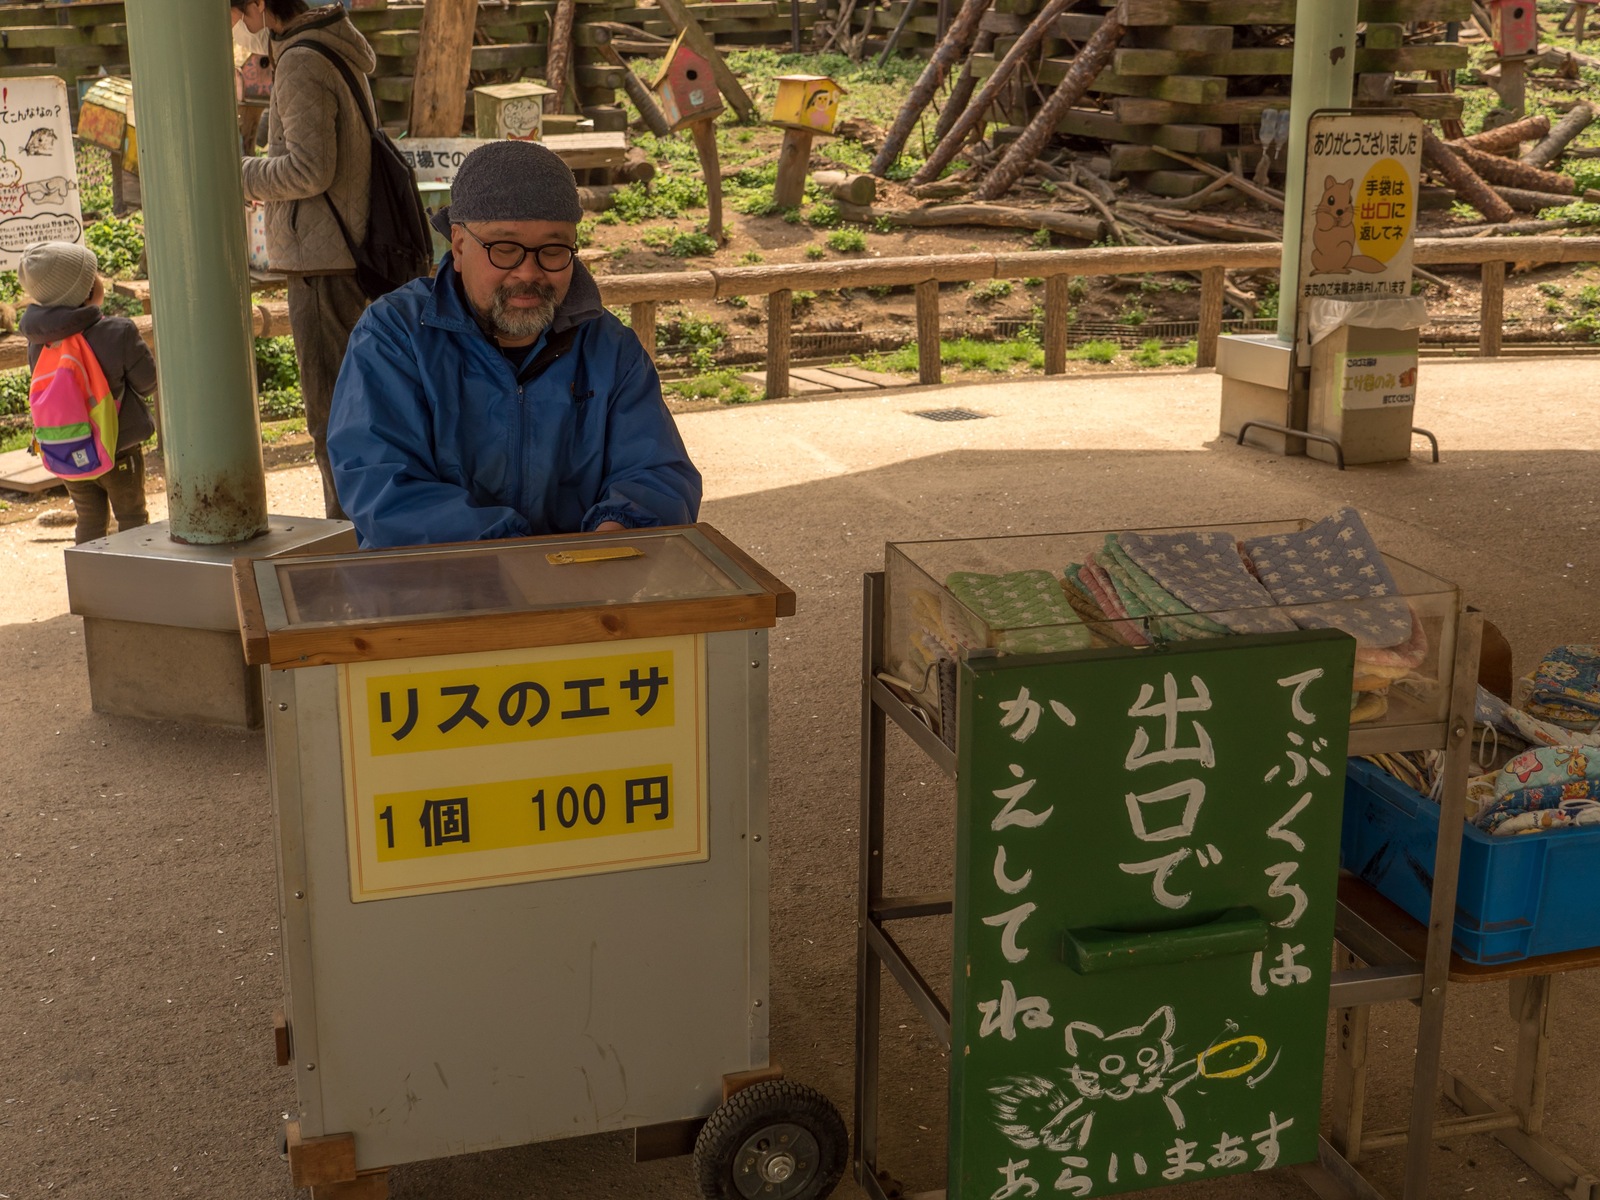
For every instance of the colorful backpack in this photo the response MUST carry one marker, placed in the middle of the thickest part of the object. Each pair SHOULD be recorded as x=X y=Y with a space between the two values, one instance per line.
x=74 y=412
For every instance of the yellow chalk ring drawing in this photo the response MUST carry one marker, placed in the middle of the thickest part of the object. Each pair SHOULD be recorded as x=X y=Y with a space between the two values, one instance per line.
x=1248 y=1039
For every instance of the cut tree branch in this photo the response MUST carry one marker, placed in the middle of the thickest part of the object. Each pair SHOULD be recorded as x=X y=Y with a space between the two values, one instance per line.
x=1085 y=69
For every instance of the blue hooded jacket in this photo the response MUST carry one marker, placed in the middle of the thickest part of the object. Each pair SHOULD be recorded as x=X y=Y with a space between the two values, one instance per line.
x=435 y=436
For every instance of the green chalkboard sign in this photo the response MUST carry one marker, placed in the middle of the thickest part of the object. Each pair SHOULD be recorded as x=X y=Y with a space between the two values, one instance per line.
x=1147 y=851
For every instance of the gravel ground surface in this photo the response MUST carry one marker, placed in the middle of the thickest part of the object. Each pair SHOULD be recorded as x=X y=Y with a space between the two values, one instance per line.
x=139 y=955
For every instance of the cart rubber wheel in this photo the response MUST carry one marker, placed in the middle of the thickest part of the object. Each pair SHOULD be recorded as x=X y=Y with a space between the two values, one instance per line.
x=775 y=1140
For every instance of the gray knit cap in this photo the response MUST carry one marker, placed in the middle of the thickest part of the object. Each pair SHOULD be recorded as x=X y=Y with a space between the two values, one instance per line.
x=58 y=272
x=512 y=181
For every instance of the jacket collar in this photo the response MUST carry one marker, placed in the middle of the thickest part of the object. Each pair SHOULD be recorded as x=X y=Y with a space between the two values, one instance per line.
x=46 y=323
x=447 y=306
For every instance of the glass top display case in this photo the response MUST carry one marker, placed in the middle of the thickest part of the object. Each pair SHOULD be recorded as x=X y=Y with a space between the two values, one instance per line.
x=947 y=601
x=524 y=591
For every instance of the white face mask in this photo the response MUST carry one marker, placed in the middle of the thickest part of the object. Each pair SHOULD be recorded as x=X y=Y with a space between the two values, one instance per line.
x=254 y=43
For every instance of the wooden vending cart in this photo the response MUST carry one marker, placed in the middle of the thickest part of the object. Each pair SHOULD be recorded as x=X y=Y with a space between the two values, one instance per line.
x=520 y=797
x=1147 y=839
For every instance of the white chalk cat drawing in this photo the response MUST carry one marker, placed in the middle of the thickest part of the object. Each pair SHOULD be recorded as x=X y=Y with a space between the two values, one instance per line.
x=1102 y=1068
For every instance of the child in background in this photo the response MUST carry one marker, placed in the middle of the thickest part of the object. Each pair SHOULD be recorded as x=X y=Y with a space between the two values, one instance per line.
x=64 y=281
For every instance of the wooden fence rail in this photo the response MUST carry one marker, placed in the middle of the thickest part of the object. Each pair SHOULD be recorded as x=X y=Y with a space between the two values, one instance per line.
x=778 y=283
x=642 y=293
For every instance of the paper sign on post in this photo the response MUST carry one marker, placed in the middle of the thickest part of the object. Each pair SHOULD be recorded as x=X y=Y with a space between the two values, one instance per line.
x=38 y=175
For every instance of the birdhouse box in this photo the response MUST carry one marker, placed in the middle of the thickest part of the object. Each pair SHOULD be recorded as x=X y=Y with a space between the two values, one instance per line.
x=255 y=78
x=510 y=110
x=105 y=117
x=1514 y=24
x=808 y=102
x=685 y=87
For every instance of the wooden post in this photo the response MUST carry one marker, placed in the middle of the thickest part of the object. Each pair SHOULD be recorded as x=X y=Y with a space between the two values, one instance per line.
x=961 y=93
x=1057 y=319
x=1530 y=1009
x=1569 y=127
x=119 y=201
x=900 y=27
x=705 y=143
x=1492 y=311
x=700 y=42
x=1349 y=1074
x=928 y=368
x=1213 y=283
x=1470 y=187
x=641 y=95
x=780 y=314
x=794 y=157
x=842 y=185
x=1506 y=139
x=643 y=318
x=444 y=68
x=560 y=54
x=962 y=125
x=1513 y=87
x=951 y=48
x=1086 y=67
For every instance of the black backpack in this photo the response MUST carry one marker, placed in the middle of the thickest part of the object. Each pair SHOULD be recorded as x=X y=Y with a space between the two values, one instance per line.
x=398 y=247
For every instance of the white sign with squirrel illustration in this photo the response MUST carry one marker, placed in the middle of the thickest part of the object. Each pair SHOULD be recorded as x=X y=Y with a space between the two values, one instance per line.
x=1360 y=205
x=38 y=175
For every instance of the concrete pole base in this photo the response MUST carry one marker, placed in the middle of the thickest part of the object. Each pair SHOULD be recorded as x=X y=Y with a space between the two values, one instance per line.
x=160 y=628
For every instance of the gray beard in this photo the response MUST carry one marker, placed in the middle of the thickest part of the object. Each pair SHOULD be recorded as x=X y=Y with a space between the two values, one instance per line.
x=517 y=323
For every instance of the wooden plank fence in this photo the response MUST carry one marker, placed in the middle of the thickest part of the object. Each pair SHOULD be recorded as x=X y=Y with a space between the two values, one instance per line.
x=642 y=294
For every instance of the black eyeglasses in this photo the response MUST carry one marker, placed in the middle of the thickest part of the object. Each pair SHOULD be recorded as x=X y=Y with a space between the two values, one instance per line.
x=508 y=256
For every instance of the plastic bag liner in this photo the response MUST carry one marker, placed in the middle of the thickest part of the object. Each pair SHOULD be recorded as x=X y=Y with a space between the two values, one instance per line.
x=1326 y=315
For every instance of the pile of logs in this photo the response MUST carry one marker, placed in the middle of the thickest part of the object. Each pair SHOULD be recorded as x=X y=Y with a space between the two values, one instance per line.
x=1493 y=173
x=1130 y=85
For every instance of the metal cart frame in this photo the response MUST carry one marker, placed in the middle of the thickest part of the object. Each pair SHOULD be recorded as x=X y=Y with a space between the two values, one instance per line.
x=454 y=1014
x=1388 y=973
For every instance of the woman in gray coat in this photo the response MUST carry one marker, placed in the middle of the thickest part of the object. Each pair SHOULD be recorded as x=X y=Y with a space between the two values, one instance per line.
x=318 y=162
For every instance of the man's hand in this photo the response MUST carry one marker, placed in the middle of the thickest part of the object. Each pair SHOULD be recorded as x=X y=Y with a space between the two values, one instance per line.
x=608 y=526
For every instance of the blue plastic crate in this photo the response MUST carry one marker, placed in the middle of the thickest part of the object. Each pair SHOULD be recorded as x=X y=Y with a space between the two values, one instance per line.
x=1519 y=896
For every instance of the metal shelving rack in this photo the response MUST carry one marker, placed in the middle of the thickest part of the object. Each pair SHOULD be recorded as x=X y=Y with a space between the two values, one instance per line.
x=1387 y=972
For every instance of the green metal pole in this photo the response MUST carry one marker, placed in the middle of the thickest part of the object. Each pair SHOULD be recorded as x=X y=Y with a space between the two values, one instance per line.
x=1324 y=77
x=182 y=66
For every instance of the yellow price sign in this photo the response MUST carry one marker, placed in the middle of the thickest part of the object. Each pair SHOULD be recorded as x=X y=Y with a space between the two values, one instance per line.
x=511 y=813
x=473 y=770
x=489 y=704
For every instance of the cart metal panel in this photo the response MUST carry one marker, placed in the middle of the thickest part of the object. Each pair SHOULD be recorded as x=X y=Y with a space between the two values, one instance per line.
x=447 y=1022
x=610 y=1001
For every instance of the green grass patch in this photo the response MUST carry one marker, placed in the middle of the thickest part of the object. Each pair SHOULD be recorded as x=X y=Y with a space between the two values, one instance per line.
x=14 y=392
x=679 y=243
x=273 y=432
x=1097 y=351
x=1579 y=212
x=967 y=354
x=694 y=337
x=992 y=291
x=118 y=244
x=722 y=385
x=847 y=241
x=815 y=252
x=1152 y=354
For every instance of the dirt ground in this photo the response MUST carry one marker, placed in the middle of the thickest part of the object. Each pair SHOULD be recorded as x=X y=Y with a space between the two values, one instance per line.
x=139 y=954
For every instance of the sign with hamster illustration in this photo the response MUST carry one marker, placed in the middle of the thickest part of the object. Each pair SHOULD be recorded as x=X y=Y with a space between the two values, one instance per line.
x=38 y=174
x=1360 y=205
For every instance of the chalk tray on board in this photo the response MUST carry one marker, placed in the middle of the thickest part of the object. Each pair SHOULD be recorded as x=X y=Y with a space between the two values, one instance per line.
x=1064 y=592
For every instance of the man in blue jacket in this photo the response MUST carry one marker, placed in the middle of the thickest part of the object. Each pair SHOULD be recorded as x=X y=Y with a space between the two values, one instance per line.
x=499 y=398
